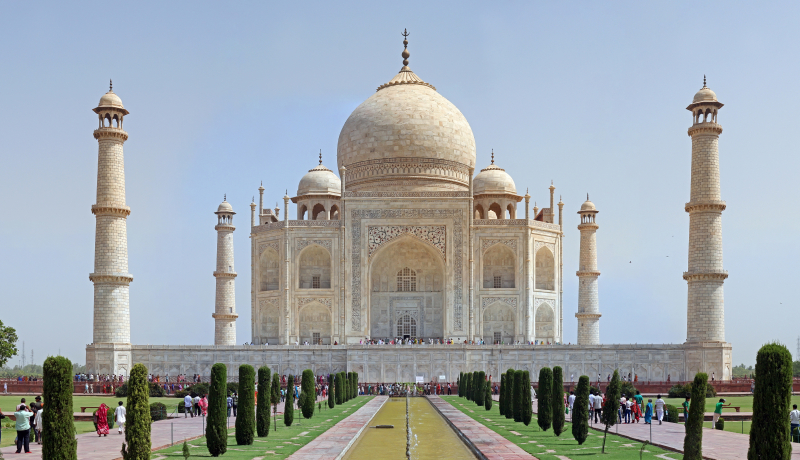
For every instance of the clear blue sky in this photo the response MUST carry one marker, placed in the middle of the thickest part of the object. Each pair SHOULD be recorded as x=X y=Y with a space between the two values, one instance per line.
x=222 y=96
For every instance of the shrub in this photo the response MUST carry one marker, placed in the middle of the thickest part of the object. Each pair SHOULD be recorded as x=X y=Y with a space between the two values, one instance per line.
x=558 y=401
x=307 y=386
x=508 y=398
x=682 y=391
x=580 y=410
x=609 y=414
x=264 y=396
x=671 y=414
x=185 y=450
x=288 y=408
x=487 y=396
x=109 y=418
x=197 y=388
x=693 y=441
x=57 y=420
x=545 y=415
x=480 y=387
x=769 y=433
x=232 y=387
x=527 y=404
x=217 y=425
x=156 y=391
x=158 y=411
x=500 y=401
x=627 y=389
x=720 y=425
x=246 y=414
x=137 y=423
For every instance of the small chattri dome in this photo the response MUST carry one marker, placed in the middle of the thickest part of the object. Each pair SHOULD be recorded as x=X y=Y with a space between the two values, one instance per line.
x=493 y=180
x=704 y=95
x=225 y=207
x=588 y=205
x=110 y=99
x=319 y=181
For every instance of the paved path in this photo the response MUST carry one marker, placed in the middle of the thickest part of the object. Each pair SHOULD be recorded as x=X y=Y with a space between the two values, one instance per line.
x=93 y=447
x=489 y=443
x=332 y=443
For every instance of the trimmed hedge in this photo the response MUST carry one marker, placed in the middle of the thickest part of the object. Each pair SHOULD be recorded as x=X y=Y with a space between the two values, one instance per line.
x=158 y=411
x=682 y=391
x=527 y=404
x=545 y=399
x=500 y=401
x=558 y=401
x=769 y=433
x=155 y=391
x=137 y=423
x=693 y=441
x=508 y=398
x=198 y=388
x=720 y=425
x=263 y=406
x=57 y=420
x=288 y=406
x=217 y=425
x=309 y=394
x=580 y=411
x=480 y=387
x=246 y=413
x=338 y=393
x=487 y=397
x=517 y=396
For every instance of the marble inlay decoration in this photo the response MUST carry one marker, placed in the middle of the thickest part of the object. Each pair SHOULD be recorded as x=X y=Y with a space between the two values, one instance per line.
x=489 y=243
x=303 y=242
x=303 y=301
x=378 y=235
x=267 y=244
x=510 y=301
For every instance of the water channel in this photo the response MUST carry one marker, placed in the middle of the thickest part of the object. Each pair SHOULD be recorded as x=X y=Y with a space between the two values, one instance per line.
x=430 y=435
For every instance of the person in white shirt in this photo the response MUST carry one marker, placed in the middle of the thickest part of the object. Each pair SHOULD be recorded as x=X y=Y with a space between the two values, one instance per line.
x=598 y=407
x=660 y=409
x=571 y=403
x=5 y=388
x=794 y=420
x=119 y=416
x=37 y=421
x=187 y=406
x=591 y=405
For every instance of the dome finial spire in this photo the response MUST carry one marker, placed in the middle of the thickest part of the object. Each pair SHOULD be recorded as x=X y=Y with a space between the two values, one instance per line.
x=405 y=54
x=225 y=197
x=320 y=156
x=587 y=197
x=110 y=85
x=492 y=156
x=704 y=81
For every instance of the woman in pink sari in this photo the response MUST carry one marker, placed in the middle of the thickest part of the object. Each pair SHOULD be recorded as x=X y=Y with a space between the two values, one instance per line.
x=101 y=418
x=203 y=404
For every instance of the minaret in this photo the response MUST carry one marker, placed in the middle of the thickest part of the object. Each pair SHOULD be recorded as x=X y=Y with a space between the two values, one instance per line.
x=112 y=319
x=705 y=309
x=225 y=303
x=588 y=303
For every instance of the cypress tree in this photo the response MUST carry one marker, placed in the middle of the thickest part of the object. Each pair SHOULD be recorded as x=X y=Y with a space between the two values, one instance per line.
x=246 y=415
x=580 y=410
x=310 y=393
x=693 y=440
x=502 y=388
x=459 y=385
x=288 y=407
x=355 y=381
x=137 y=424
x=331 y=393
x=345 y=388
x=468 y=386
x=609 y=415
x=275 y=389
x=217 y=426
x=487 y=397
x=545 y=398
x=517 y=396
x=769 y=433
x=57 y=420
x=264 y=397
x=509 y=396
x=338 y=392
x=558 y=401
x=475 y=386
x=527 y=404
x=480 y=387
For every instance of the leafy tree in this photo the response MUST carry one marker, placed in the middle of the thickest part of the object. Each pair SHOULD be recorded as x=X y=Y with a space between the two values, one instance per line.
x=185 y=450
x=307 y=386
x=580 y=410
x=500 y=401
x=288 y=408
x=246 y=415
x=487 y=397
x=609 y=415
x=545 y=399
x=137 y=423
x=558 y=401
x=217 y=424
x=57 y=420
x=508 y=398
x=8 y=345
x=264 y=397
x=527 y=404
x=480 y=387
x=769 y=434
x=693 y=440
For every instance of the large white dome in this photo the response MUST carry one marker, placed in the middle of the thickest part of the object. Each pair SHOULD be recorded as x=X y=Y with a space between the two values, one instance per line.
x=406 y=136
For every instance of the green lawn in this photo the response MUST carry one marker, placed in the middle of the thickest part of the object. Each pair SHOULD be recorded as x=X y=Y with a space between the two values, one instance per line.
x=545 y=445
x=281 y=443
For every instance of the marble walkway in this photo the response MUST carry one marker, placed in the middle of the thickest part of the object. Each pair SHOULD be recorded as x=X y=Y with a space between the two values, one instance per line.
x=332 y=443
x=490 y=444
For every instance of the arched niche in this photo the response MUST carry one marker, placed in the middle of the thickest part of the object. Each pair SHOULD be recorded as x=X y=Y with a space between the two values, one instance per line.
x=318 y=213
x=269 y=269
x=545 y=323
x=495 y=212
x=315 y=318
x=512 y=211
x=302 y=210
x=498 y=267
x=479 y=214
x=334 y=213
x=545 y=269
x=498 y=323
x=314 y=268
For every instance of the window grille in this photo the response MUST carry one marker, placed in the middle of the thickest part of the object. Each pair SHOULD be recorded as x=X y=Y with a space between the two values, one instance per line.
x=498 y=282
x=315 y=282
x=315 y=339
x=497 y=337
x=407 y=326
x=406 y=280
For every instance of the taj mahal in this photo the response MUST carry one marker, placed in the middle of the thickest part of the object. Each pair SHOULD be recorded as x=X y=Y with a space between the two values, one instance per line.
x=410 y=236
